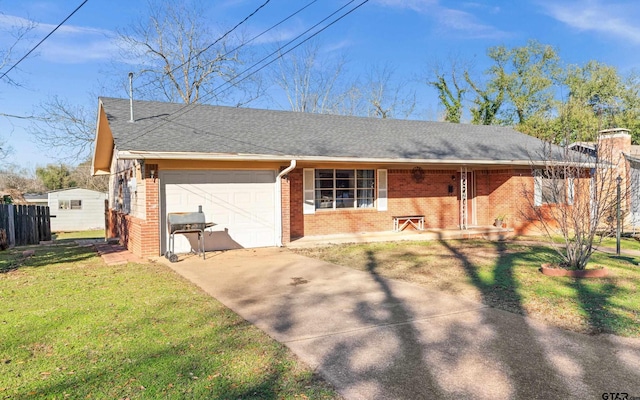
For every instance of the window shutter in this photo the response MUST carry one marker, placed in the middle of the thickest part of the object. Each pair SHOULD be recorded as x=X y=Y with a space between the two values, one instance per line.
x=570 y=190
x=309 y=186
x=537 y=191
x=382 y=190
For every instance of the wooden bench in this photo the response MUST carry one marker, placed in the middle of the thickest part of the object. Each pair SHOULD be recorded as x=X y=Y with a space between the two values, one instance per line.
x=401 y=222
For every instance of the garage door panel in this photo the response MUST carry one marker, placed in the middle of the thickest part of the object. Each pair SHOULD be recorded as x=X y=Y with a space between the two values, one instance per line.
x=196 y=178
x=265 y=177
x=240 y=203
x=242 y=199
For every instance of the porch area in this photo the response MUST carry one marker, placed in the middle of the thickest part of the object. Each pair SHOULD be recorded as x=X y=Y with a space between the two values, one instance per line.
x=479 y=232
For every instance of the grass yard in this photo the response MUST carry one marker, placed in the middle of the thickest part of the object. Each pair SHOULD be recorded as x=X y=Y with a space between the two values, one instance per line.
x=93 y=234
x=626 y=242
x=506 y=276
x=73 y=327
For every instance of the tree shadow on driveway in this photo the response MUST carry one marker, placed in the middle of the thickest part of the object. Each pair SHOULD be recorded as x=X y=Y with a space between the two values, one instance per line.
x=404 y=375
x=567 y=363
x=378 y=338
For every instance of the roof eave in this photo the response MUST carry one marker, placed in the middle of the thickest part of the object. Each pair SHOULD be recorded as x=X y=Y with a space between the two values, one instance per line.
x=133 y=155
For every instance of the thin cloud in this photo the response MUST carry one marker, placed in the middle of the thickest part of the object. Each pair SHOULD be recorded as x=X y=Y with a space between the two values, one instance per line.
x=596 y=16
x=275 y=36
x=450 y=20
x=468 y=24
x=337 y=46
x=421 y=6
x=68 y=44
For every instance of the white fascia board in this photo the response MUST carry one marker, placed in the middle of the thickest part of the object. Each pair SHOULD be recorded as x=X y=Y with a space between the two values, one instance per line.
x=132 y=155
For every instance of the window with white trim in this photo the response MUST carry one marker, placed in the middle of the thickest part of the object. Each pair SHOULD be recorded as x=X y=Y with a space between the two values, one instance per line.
x=70 y=204
x=552 y=189
x=344 y=188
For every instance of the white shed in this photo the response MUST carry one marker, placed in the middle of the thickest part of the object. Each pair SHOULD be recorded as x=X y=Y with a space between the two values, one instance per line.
x=76 y=209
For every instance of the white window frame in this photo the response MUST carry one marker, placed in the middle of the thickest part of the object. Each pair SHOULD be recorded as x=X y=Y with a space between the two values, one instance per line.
x=309 y=191
x=381 y=201
x=334 y=199
x=539 y=182
x=68 y=204
x=379 y=190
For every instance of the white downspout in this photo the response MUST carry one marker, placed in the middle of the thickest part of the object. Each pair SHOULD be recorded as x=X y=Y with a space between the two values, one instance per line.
x=279 y=202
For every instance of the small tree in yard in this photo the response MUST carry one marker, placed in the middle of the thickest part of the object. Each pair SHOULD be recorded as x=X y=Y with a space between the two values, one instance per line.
x=575 y=197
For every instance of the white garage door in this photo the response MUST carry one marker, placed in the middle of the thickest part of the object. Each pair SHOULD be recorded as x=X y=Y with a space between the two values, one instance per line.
x=240 y=203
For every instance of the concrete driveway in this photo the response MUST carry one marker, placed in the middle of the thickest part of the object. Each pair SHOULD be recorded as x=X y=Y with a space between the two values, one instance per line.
x=376 y=338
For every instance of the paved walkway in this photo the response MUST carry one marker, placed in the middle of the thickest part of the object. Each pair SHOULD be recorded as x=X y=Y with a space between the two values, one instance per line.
x=376 y=338
x=114 y=254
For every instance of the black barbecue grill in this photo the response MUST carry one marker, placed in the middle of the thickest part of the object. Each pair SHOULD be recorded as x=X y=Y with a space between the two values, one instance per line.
x=186 y=222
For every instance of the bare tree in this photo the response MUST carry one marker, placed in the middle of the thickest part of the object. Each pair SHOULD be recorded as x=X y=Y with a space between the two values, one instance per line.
x=18 y=33
x=322 y=85
x=575 y=197
x=67 y=129
x=386 y=98
x=180 y=57
x=81 y=174
x=311 y=84
x=20 y=179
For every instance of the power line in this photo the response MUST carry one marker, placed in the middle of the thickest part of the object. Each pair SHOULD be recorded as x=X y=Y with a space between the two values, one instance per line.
x=271 y=28
x=293 y=48
x=198 y=54
x=188 y=107
x=43 y=39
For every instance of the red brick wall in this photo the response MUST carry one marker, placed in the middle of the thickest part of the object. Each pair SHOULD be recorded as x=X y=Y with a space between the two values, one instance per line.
x=497 y=192
x=139 y=236
x=507 y=192
x=430 y=197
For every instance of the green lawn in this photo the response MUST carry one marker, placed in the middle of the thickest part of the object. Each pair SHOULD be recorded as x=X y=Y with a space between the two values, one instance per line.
x=73 y=327
x=626 y=242
x=93 y=234
x=506 y=276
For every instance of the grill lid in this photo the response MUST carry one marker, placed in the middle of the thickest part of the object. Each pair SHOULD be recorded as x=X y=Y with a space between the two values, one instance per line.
x=185 y=221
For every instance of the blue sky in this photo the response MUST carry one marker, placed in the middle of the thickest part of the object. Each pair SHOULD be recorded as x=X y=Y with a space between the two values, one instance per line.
x=408 y=35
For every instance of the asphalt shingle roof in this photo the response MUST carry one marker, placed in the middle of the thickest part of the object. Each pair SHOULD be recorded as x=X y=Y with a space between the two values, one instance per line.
x=170 y=127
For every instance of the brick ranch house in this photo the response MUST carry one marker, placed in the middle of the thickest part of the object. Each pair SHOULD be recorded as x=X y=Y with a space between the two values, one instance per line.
x=267 y=177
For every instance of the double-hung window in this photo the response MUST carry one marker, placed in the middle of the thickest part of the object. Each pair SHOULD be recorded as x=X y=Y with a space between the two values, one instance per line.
x=553 y=188
x=344 y=188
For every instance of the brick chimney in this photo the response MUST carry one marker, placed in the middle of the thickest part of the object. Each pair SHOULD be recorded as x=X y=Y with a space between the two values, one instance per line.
x=613 y=145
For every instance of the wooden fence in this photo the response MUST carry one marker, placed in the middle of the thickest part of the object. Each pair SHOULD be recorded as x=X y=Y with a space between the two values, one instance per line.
x=25 y=224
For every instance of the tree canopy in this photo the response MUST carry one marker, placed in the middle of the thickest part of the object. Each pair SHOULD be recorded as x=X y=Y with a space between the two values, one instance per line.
x=530 y=88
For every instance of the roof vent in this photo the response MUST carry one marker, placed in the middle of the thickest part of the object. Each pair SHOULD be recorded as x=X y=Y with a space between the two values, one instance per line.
x=131 y=96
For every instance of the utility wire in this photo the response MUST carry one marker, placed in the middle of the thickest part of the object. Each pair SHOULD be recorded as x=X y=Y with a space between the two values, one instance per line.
x=188 y=107
x=43 y=39
x=277 y=51
x=198 y=54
